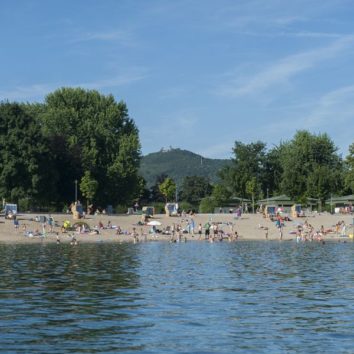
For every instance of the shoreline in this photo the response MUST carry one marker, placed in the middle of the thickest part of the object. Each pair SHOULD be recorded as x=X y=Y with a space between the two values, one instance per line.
x=250 y=227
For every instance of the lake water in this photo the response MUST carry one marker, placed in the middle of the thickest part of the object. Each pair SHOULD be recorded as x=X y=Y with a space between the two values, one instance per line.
x=178 y=298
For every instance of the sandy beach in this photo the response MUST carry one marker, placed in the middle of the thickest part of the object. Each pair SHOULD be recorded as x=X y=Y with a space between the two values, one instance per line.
x=248 y=227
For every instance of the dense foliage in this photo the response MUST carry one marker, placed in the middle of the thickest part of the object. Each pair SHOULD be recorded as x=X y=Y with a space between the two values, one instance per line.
x=306 y=166
x=89 y=136
x=85 y=139
x=26 y=164
x=194 y=188
x=168 y=189
x=349 y=171
x=311 y=167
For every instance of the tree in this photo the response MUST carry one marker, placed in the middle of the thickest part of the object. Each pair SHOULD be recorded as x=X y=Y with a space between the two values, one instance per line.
x=88 y=186
x=248 y=162
x=194 y=188
x=349 y=170
x=221 y=194
x=272 y=173
x=26 y=165
x=155 y=193
x=92 y=132
x=253 y=189
x=208 y=205
x=311 y=167
x=168 y=189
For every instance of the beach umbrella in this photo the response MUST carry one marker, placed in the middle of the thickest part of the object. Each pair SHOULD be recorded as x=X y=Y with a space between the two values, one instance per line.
x=154 y=223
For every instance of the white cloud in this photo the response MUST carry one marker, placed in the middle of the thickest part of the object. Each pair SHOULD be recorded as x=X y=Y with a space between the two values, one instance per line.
x=284 y=69
x=332 y=113
x=333 y=108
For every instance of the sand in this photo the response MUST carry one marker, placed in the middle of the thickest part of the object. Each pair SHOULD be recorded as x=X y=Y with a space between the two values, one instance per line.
x=248 y=227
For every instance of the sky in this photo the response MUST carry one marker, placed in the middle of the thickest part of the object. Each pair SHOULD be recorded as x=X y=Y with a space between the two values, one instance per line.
x=195 y=74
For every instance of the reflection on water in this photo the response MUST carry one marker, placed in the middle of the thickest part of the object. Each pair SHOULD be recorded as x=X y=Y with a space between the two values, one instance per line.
x=193 y=297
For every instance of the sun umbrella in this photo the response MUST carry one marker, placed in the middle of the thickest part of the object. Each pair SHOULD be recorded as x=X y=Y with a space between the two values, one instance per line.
x=154 y=223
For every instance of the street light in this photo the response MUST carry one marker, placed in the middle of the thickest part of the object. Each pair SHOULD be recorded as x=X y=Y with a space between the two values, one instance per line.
x=267 y=194
x=76 y=190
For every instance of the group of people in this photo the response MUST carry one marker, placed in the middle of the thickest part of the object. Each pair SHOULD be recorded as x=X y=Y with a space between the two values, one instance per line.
x=307 y=232
x=213 y=232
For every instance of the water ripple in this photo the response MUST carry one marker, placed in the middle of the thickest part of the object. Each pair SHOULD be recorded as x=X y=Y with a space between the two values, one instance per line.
x=178 y=298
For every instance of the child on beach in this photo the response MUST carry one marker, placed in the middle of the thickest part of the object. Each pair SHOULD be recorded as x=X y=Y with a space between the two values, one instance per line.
x=200 y=228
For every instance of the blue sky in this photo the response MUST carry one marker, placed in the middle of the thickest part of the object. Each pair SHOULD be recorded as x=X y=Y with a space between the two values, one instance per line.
x=195 y=74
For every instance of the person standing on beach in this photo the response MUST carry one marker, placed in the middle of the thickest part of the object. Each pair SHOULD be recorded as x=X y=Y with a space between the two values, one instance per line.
x=207 y=230
x=215 y=230
x=200 y=228
x=281 y=232
x=343 y=231
x=16 y=223
x=50 y=223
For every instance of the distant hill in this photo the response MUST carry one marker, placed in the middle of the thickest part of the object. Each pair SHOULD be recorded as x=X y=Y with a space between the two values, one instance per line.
x=177 y=164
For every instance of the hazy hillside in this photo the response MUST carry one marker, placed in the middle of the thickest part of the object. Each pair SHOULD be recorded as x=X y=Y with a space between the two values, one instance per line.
x=177 y=164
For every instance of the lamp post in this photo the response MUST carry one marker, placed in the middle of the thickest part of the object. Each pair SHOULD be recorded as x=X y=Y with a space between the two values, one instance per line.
x=76 y=190
x=267 y=194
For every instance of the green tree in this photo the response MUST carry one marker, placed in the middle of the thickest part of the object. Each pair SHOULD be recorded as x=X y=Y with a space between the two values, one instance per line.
x=92 y=132
x=248 y=162
x=253 y=189
x=272 y=172
x=88 y=187
x=311 y=167
x=208 y=205
x=221 y=194
x=194 y=188
x=155 y=194
x=349 y=170
x=168 y=189
x=26 y=165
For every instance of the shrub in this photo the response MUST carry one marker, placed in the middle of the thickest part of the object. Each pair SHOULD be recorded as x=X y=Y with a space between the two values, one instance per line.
x=207 y=205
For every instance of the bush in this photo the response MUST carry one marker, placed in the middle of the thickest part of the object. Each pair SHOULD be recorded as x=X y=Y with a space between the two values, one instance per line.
x=207 y=205
x=24 y=204
x=187 y=206
x=121 y=209
x=159 y=207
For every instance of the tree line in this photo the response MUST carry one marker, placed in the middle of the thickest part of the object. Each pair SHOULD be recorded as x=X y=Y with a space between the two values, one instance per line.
x=307 y=166
x=75 y=138
x=82 y=139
